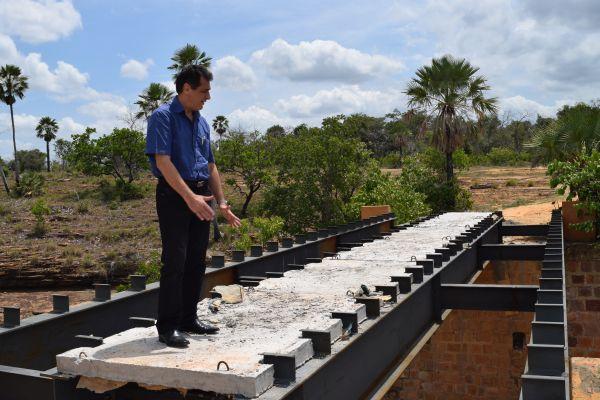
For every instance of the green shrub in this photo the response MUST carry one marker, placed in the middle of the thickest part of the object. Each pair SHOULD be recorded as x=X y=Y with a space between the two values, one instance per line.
x=5 y=209
x=83 y=207
x=381 y=188
x=580 y=178
x=31 y=185
x=511 y=182
x=503 y=156
x=243 y=240
x=391 y=160
x=40 y=209
x=268 y=228
x=121 y=191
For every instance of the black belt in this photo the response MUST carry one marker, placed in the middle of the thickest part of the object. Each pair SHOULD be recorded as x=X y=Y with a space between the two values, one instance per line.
x=191 y=184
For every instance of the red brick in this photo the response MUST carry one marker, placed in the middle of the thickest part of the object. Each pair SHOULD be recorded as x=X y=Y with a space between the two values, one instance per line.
x=584 y=291
x=575 y=329
x=587 y=266
x=597 y=292
x=576 y=279
x=592 y=305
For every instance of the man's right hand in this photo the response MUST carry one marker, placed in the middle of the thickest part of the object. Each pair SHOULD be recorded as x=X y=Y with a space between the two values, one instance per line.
x=199 y=206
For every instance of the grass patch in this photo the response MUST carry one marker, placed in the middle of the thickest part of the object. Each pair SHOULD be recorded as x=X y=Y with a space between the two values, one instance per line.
x=512 y=182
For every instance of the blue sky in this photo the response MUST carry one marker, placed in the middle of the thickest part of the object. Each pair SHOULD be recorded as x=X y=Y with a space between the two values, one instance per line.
x=288 y=63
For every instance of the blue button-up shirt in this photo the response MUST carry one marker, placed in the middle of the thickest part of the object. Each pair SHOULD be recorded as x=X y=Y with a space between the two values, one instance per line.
x=187 y=141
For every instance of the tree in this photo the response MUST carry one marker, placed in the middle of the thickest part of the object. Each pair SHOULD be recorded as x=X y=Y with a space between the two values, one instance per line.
x=189 y=54
x=12 y=85
x=319 y=170
x=151 y=98
x=275 y=132
x=62 y=148
x=575 y=130
x=220 y=125
x=46 y=129
x=247 y=159
x=29 y=160
x=120 y=154
x=449 y=91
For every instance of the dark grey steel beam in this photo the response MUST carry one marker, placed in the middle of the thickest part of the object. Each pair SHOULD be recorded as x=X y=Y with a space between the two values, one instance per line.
x=489 y=297
x=524 y=230
x=511 y=252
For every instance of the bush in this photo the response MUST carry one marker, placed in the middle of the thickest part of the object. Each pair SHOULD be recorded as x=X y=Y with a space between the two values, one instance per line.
x=391 y=160
x=581 y=179
x=268 y=228
x=503 y=156
x=511 y=182
x=418 y=172
x=121 y=191
x=29 y=160
x=40 y=209
x=381 y=188
x=31 y=185
x=83 y=207
x=243 y=240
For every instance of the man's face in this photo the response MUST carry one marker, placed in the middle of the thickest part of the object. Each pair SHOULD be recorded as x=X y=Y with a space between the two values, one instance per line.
x=197 y=97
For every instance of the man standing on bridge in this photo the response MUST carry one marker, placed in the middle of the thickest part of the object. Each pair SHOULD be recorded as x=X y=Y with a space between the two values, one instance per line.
x=178 y=146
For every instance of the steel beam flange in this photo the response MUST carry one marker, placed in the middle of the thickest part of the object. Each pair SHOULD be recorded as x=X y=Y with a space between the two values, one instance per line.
x=321 y=341
x=284 y=367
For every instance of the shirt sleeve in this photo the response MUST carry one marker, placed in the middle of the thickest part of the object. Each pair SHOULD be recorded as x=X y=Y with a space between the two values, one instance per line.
x=159 y=136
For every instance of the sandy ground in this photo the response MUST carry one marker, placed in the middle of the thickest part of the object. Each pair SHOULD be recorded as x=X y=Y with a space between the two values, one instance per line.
x=529 y=214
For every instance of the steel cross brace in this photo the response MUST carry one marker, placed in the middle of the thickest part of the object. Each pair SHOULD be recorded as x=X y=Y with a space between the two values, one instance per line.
x=488 y=297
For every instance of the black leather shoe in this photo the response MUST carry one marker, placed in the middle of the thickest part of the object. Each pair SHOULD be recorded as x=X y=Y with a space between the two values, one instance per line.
x=173 y=339
x=199 y=327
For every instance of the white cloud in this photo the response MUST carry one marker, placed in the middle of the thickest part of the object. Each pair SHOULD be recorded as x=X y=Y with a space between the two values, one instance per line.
x=65 y=82
x=38 y=21
x=518 y=106
x=230 y=72
x=548 y=47
x=254 y=118
x=135 y=69
x=323 y=60
x=341 y=100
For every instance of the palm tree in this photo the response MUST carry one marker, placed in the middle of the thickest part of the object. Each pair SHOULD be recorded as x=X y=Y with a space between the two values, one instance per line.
x=151 y=98
x=575 y=130
x=12 y=85
x=450 y=92
x=189 y=54
x=220 y=125
x=46 y=129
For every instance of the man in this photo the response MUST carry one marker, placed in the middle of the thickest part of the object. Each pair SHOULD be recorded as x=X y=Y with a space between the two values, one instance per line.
x=178 y=146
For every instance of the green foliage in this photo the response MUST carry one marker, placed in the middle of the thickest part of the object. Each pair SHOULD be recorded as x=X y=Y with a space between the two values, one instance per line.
x=120 y=154
x=319 y=169
x=40 y=209
x=391 y=160
x=151 y=98
x=268 y=228
x=121 y=191
x=450 y=92
x=436 y=160
x=31 y=185
x=83 y=207
x=62 y=148
x=576 y=129
x=422 y=172
x=579 y=179
x=151 y=267
x=511 y=182
x=246 y=158
x=380 y=188
x=503 y=156
x=243 y=240
x=29 y=160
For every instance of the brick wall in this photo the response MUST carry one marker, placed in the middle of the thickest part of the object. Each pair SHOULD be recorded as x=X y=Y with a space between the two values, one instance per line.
x=583 y=299
x=471 y=356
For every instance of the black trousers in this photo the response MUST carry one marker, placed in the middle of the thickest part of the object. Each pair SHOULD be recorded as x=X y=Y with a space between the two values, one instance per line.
x=184 y=243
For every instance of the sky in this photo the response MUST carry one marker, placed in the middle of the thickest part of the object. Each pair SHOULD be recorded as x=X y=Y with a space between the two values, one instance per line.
x=288 y=62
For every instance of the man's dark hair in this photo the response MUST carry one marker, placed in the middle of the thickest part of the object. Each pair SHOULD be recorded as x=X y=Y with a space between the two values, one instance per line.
x=192 y=75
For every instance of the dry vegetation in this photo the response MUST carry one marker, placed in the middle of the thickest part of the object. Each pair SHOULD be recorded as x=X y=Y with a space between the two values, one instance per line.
x=90 y=240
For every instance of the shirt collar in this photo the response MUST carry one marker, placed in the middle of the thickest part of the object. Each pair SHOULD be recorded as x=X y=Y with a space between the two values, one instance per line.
x=178 y=108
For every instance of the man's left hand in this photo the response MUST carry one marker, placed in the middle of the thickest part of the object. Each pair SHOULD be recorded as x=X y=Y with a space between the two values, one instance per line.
x=229 y=215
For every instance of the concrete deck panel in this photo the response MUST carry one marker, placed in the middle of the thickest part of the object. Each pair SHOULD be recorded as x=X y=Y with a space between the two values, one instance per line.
x=269 y=320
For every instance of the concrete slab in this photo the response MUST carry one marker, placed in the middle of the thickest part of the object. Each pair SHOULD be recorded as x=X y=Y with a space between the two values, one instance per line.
x=269 y=320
